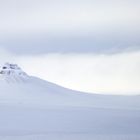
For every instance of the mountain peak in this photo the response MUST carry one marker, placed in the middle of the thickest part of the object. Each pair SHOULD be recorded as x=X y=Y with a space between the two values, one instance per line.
x=11 y=69
x=12 y=73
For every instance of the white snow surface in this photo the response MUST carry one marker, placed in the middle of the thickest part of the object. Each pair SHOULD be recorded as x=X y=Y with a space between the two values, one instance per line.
x=34 y=109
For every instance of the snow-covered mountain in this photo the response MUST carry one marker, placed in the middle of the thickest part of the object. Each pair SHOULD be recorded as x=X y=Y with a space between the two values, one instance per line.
x=32 y=108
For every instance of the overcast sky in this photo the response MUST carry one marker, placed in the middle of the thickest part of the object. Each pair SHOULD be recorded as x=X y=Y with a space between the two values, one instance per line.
x=81 y=32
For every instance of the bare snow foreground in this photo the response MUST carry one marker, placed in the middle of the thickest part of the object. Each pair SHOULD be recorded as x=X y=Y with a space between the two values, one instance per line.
x=33 y=109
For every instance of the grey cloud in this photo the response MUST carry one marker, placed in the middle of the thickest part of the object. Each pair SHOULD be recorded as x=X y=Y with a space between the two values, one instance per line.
x=76 y=26
x=42 y=44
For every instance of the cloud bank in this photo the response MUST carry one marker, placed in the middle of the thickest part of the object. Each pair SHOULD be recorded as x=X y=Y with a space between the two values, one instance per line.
x=71 y=26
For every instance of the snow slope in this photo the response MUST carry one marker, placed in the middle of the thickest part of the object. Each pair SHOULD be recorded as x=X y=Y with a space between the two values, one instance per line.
x=31 y=108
